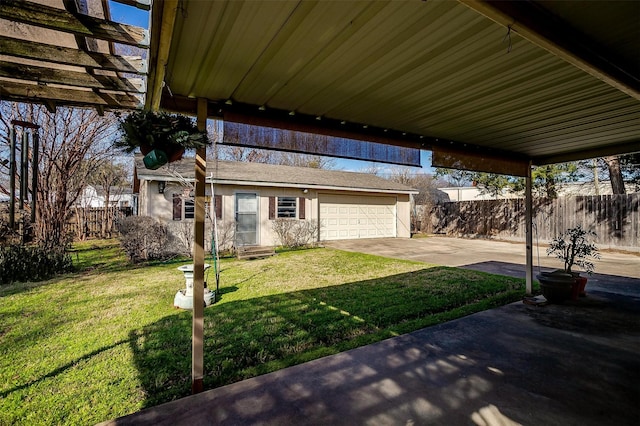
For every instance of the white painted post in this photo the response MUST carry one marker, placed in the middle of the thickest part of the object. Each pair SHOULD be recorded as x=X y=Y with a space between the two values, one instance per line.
x=529 y=231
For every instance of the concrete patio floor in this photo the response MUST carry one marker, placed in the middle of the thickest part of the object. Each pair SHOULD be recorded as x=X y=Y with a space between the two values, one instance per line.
x=572 y=364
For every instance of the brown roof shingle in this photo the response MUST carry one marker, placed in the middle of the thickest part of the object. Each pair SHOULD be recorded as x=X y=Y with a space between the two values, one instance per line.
x=274 y=175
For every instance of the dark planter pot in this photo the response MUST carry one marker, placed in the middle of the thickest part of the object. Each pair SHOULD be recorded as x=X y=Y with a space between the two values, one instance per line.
x=155 y=158
x=581 y=283
x=556 y=286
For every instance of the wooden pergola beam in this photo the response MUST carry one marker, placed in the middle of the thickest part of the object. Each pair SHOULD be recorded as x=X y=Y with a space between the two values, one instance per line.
x=69 y=56
x=35 y=93
x=40 y=15
x=39 y=74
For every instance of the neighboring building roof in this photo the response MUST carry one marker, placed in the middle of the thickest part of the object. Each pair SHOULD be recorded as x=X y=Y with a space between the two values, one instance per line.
x=473 y=193
x=259 y=174
x=115 y=191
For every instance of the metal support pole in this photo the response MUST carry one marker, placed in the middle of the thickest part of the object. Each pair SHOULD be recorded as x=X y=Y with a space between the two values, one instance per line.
x=197 y=343
x=12 y=178
x=34 y=175
x=529 y=231
x=24 y=168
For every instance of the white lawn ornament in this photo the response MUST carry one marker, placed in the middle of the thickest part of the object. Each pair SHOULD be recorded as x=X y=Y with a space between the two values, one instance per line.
x=184 y=298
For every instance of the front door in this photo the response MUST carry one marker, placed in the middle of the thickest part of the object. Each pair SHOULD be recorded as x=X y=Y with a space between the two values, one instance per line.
x=247 y=218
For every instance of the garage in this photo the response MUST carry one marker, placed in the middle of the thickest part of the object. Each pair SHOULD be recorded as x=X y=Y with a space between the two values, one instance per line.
x=344 y=217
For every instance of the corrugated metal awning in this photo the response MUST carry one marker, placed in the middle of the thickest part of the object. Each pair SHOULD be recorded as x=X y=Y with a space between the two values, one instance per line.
x=433 y=75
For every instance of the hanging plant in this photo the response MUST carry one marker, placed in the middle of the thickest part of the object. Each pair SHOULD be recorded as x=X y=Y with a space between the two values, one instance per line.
x=161 y=137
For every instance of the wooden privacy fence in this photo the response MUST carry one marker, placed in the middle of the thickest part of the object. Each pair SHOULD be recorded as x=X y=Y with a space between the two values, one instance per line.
x=96 y=222
x=615 y=218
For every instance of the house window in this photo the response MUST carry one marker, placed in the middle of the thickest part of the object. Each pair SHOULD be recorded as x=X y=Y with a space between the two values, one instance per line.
x=287 y=207
x=185 y=207
x=189 y=208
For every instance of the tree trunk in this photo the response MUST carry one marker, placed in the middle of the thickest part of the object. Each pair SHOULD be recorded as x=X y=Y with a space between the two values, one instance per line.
x=615 y=174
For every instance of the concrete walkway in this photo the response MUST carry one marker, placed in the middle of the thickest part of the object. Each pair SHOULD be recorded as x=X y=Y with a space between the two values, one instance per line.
x=572 y=364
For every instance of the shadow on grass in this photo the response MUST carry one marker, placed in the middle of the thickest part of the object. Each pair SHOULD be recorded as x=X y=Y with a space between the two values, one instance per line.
x=89 y=260
x=61 y=369
x=256 y=336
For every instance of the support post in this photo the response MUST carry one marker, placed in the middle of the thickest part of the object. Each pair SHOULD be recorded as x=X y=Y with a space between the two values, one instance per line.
x=24 y=168
x=34 y=176
x=12 y=178
x=197 y=343
x=529 y=231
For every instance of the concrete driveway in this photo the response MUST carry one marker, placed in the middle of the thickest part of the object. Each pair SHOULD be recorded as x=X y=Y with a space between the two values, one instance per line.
x=573 y=364
x=616 y=272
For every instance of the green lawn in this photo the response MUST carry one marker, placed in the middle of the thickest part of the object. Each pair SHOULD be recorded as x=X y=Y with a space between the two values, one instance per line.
x=106 y=341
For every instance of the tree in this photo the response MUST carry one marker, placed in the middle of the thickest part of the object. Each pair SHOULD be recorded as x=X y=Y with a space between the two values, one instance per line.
x=304 y=160
x=243 y=154
x=110 y=177
x=620 y=170
x=421 y=203
x=544 y=179
x=72 y=143
x=254 y=155
x=630 y=168
x=615 y=174
x=372 y=169
x=454 y=177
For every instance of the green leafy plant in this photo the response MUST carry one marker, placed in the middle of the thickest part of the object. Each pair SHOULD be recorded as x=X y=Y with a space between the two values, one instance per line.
x=159 y=130
x=574 y=248
x=32 y=263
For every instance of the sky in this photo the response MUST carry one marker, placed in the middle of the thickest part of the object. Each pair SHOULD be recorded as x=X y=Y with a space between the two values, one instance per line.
x=133 y=16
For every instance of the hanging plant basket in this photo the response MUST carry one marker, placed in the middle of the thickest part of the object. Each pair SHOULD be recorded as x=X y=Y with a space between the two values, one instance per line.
x=161 y=137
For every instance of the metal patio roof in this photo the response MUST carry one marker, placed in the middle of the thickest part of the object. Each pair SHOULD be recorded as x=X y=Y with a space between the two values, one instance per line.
x=540 y=81
x=507 y=82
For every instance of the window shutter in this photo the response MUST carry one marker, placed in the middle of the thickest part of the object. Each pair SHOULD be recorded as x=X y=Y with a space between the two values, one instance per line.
x=217 y=205
x=301 y=203
x=177 y=207
x=272 y=208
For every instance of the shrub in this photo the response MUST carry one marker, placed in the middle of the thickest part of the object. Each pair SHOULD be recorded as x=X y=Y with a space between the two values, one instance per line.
x=143 y=238
x=32 y=263
x=226 y=236
x=293 y=233
x=181 y=236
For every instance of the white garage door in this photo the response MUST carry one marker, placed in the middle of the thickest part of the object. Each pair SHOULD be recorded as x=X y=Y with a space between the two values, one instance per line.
x=344 y=217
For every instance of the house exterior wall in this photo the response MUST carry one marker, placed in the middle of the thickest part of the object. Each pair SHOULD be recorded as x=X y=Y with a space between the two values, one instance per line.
x=403 y=218
x=160 y=205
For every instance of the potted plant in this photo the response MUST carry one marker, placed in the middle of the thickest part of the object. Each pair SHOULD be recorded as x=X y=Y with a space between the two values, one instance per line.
x=161 y=137
x=573 y=248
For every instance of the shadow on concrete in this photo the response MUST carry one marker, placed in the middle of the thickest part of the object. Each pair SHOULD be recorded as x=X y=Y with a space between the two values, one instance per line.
x=597 y=282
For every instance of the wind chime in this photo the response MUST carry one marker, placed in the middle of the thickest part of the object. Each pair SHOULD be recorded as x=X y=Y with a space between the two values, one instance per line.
x=20 y=167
